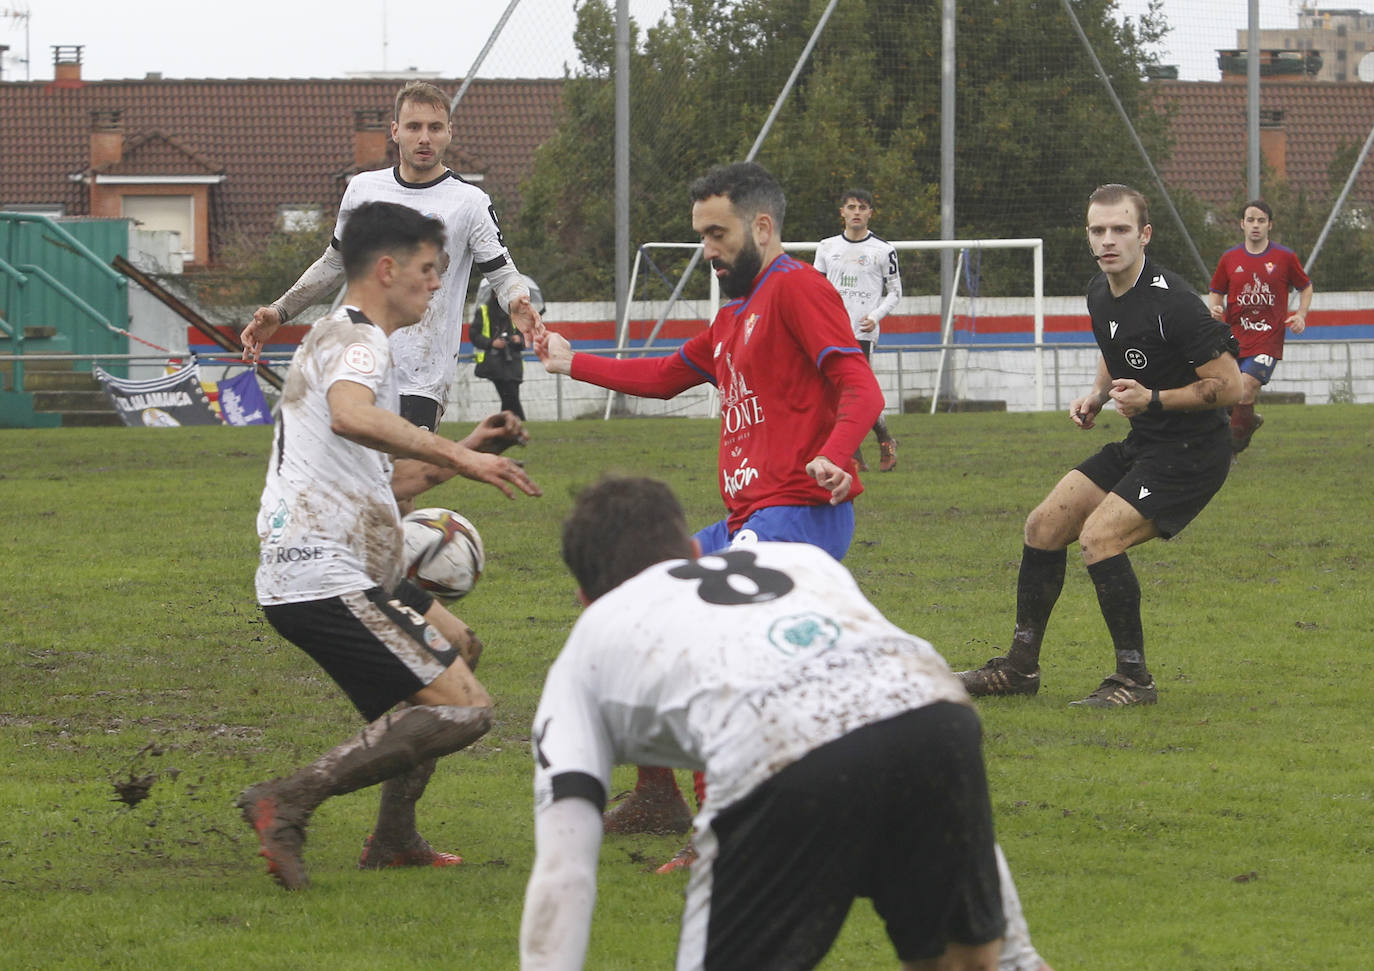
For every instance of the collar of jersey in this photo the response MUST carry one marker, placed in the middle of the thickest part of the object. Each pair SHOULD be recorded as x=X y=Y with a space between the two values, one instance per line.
x=867 y=237
x=758 y=284
x=396 y=173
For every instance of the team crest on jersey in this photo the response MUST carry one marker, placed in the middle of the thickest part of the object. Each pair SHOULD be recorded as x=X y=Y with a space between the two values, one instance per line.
x=1112 y=326
x=360 y=358
x=1136 y=358
x=810 y=633
x=1268 y=267
x=749 y=323
x=280 y=517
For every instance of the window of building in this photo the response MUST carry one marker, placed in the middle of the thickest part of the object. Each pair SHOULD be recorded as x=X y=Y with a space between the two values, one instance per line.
x=172 y=213
x=302 y=218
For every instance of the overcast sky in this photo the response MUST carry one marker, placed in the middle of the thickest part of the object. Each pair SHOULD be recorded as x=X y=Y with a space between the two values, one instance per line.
x=287 y=38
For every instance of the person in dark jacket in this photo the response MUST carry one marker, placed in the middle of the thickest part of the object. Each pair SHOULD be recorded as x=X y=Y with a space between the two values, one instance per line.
x=498 y=346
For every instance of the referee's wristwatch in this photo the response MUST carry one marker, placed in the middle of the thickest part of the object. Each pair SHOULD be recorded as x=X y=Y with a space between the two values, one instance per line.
x=1155 y=405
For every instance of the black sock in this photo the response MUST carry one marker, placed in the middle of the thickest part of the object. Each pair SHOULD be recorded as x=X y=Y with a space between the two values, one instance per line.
x=1118 y=594
x=1037 y=589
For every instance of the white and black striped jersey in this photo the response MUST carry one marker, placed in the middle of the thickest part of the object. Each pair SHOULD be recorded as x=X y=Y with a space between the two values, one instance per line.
x=865 y=273
x=328 y=522
x=426 y=354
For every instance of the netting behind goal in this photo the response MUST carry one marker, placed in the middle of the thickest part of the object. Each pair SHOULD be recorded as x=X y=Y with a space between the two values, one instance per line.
x=999 y=352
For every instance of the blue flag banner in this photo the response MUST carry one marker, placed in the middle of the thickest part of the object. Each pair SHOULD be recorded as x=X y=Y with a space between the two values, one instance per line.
x=241 y=401
x=165 y=402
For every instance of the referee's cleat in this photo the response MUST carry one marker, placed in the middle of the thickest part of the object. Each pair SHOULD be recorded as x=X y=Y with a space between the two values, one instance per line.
x=888 y=450
x=998 y=677
x=281 y=832
x=1117 y=691
x=417 y=852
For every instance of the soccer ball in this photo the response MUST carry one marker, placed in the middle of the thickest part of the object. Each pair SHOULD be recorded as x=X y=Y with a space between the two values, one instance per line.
x=443 y=552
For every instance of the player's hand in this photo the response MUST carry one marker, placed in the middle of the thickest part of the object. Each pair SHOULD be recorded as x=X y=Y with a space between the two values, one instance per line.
x=830 y=476
x=554 y=351
x=1083 y=411
x=494 y=470
x=1218 y=312
x=867 y=324
x=525 y=317
x=264 y=324
x=1297 y=323
x=1131 y=397
x=496 y=433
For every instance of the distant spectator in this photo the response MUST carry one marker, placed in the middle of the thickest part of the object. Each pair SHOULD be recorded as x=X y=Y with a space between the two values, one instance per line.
x=499 y=346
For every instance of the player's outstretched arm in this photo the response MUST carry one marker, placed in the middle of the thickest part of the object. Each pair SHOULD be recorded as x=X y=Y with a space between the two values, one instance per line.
x=354 y=415
x=561 y=893
x=321 y=277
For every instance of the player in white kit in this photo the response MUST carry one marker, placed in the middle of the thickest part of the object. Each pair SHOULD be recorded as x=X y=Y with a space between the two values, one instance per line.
x=330 y=567
x=863 y=267
x=842 y=756
x=425 y=355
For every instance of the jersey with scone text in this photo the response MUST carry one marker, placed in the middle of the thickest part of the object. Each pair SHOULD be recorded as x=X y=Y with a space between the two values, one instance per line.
x=1256 y=286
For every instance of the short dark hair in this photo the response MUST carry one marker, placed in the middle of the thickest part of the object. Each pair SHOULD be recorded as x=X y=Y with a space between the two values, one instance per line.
x=1115 y=192
x=421 y=93
x=375 y=228
x=863 y=195
x=1259 y=204
x=749 y=187
x=619 y=527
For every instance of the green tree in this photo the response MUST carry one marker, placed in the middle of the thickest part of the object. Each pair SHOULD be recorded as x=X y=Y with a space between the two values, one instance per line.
x=1035 y=130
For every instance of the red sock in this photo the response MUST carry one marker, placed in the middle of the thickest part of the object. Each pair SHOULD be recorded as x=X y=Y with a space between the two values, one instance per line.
x=656 y=778
x=699 y=784
x=1242 y=420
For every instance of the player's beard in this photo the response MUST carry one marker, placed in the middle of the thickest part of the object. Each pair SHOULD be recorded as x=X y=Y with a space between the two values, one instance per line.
x=738 y=278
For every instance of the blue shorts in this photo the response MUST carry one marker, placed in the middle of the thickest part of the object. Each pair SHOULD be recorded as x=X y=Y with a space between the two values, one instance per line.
x=829 y=527
x=1260 y=367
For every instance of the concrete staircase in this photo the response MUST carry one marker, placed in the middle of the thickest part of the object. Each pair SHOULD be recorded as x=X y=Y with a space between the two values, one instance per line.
x=60 y=395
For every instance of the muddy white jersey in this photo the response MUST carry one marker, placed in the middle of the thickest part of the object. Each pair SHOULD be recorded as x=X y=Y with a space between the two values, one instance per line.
x=865 y=273
x=737 y=663
x=426 y=354
x=328 y=523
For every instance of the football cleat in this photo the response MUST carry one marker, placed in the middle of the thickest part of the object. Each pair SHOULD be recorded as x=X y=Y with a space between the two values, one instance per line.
x=1117 y=691
x=682 y=860
x=281 y=833
x=888 y=451
x=998 y=677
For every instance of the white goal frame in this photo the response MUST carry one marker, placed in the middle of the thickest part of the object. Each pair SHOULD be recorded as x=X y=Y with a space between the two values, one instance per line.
x=961 y=246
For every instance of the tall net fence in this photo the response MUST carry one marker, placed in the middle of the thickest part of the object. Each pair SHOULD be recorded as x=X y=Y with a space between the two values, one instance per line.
x=1036 y=129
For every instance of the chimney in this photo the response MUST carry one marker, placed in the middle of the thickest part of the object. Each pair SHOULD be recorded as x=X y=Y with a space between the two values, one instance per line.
x=1274 y=142
x=371 y=136
x=107 y=137
x=66 y=65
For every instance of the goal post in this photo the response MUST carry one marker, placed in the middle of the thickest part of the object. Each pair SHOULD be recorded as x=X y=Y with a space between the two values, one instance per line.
x=962 y=247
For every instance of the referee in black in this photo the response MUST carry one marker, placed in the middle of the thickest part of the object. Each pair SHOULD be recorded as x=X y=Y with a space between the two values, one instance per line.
x=1171 y=369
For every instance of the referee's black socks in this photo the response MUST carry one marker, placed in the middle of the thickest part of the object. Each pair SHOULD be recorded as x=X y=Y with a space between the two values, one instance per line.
x=1118 y=594
x=1037 y=589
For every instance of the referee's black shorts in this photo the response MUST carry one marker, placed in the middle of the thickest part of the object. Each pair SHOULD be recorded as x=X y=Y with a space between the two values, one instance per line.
x=896 y=811
x=1168 y=482
x=376 y=645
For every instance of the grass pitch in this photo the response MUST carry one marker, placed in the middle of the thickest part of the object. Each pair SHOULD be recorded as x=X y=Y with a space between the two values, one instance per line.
x=1227 y=827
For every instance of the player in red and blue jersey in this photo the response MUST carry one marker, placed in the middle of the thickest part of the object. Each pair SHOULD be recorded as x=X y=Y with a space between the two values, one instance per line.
x=797 y=398
x=1250 y=292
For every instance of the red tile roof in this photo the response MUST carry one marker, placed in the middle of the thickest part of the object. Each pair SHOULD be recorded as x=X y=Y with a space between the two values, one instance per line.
x=156 y=154
x=1319 y=118
x=277 y=141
